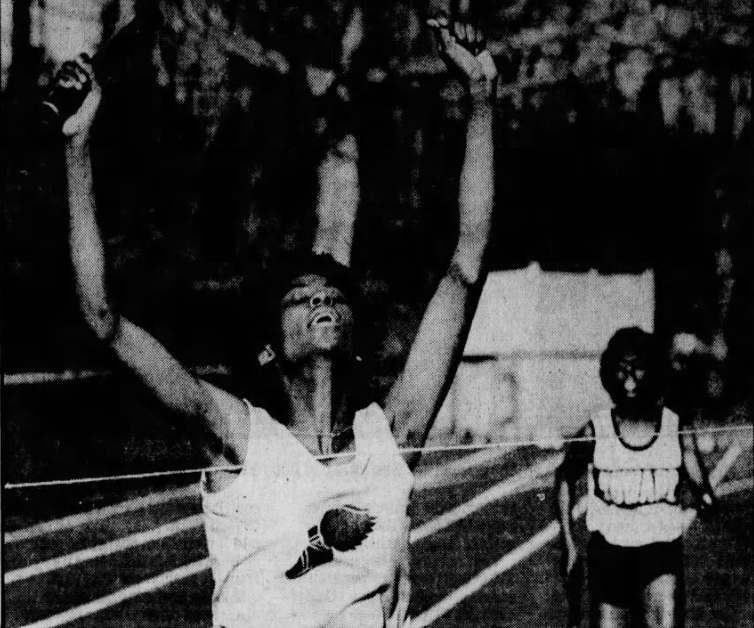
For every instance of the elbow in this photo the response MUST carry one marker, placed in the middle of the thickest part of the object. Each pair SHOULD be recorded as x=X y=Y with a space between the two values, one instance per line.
x=565 y=477
x=103 y=322
x=408 y=433
x=473 y=241
x=467 y=265
x=561 y=479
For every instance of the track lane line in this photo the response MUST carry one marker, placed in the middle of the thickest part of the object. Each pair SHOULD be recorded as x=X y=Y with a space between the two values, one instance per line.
x=73 y=521
x=508 y=561
x=499 y=491
x=538 y=541
x=505 y=488
x=105 y=549
x=193 y=569
x=735 y=486
x=441 y=475
x=103 y=603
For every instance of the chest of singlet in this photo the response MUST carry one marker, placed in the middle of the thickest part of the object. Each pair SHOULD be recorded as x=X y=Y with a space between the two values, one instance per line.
x=633 y=491
x=293 y=542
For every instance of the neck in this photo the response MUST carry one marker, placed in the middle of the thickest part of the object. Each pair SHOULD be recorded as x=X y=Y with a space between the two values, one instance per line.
x=636 y=411
x=315 y=402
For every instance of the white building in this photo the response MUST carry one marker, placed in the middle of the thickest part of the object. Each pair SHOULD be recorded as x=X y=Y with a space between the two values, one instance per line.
x=531 y=364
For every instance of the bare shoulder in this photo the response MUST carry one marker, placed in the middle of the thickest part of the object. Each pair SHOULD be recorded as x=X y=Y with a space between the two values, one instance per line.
x=580 y=449
x=227 y=403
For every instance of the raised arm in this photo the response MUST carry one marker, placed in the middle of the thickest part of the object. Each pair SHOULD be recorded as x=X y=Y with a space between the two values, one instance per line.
x=338 y=200
x=173 y=385
x=433 y=359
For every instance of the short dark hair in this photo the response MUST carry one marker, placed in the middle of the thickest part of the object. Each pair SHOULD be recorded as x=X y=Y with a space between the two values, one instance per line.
x=296 y=265
x=633 y=341
x=262 y=294
x=278 y=280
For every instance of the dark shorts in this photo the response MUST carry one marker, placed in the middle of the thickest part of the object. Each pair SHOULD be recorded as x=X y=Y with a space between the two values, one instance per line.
x=618 y=575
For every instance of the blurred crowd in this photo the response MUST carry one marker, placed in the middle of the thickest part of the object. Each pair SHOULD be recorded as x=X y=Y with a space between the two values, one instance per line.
x=696 y=52
x=629 y=123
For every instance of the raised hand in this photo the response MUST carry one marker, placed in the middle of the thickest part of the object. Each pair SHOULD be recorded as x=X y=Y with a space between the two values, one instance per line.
x=708 y=506
x=462 y=46
x=570 y=562
x=79 y=75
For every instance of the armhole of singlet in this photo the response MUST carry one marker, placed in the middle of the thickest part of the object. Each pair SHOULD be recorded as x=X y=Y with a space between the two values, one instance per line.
x=372 y=420
x=254 y=418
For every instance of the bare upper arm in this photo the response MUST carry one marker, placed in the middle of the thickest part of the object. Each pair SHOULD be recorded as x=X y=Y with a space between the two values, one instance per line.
x=579 y=453
x=687 y=438
x=218 y=416
x=236 y=422
x=433 y=359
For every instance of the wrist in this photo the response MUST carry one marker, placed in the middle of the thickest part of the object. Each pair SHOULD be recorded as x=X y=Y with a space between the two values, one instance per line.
x=467 y=267
x=568 y=542
x=346 y=149
x=480 y=93
x=480 y=109
x=77 y=147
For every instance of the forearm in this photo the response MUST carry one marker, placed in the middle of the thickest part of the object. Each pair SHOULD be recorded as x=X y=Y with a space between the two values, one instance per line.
x=694 y=468
x=565 y=494
x=85 y=243
x=476 y=195
x=338 y=201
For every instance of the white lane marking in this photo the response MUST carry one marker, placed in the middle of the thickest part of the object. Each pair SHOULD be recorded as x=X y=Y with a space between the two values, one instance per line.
x=198 y=567
x=497 y=492
x=28 y=379
x=511 y=559
x=442 y=475
x=726 y=462
x=100 y=604
x=83 y=518
x=507 y=562
x=539 y=540
x=105 y=549
x=735 y=486
x=717 y=474
x=501 y=490
x=20 y=379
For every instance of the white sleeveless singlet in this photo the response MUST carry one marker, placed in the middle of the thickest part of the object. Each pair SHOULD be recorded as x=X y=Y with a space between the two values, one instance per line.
x=296 y=544
x=633 y=492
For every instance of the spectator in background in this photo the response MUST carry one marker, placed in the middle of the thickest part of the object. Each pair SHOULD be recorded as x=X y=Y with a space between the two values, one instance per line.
x=635 y=456
x=294 y=540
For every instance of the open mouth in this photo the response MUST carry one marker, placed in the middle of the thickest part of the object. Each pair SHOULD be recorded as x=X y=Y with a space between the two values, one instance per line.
x=323 y=317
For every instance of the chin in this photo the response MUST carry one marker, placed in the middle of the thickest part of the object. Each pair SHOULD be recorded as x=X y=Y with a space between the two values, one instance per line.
x=638 y=403
x=330 y=339
x=336 y=352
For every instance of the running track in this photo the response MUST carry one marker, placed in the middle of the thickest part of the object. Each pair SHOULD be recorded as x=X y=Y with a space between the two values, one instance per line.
x=481 y=554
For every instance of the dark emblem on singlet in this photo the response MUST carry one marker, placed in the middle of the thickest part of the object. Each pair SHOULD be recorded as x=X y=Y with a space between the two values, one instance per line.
x=341 y=529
